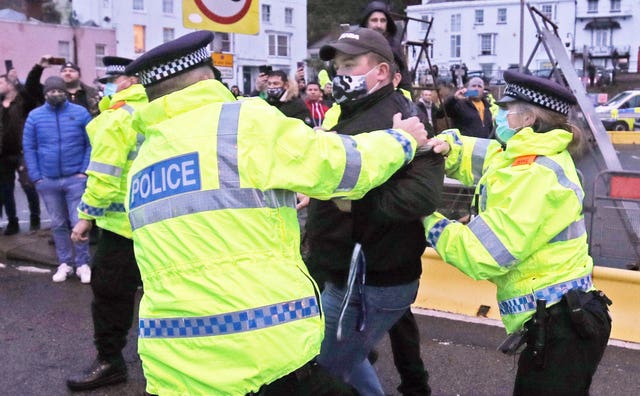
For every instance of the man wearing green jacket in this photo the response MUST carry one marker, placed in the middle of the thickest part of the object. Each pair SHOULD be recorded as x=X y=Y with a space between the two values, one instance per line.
x=115 y=274
x=229 y=306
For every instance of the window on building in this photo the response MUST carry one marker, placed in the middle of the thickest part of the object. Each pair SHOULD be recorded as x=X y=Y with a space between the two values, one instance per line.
x=487 y=44
x=225 y=42
x=139 y=38
x=455 y=46
x=547 y=11
x=266 y=13
x=479 y=18
x=168 y=34
x=167 y=6
x=64 y=50
x=425 y=22
x=600 y=37
x=106 y=3
x=138 y=5
x=101 y=51
x=456 y=22
x=288 y=16
x=278 y=45
x=592 y=5
x=615 y=5
x=502 y=15
x=487 y=68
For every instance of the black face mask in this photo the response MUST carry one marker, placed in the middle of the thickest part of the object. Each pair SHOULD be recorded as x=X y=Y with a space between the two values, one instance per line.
x=56 y=99
x=274 y=94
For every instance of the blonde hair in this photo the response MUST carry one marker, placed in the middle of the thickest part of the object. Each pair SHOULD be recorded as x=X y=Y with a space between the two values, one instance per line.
x=547 y=120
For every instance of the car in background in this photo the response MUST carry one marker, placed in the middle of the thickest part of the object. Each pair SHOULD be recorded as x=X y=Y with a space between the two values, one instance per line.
x=621 y=111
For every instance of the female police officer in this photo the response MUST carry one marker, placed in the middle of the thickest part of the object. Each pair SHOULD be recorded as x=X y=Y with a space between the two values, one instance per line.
x=528 y=237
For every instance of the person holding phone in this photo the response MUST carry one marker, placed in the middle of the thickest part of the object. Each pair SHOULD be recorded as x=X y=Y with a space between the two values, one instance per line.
x=77 y=92
x=469 y=110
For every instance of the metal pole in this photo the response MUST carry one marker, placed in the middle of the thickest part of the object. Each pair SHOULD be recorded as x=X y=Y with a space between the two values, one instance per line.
x=521 y=64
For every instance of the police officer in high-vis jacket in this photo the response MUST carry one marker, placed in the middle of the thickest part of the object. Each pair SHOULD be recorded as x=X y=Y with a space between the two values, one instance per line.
x=528 y=236
x=115 y=277
x=228 y=304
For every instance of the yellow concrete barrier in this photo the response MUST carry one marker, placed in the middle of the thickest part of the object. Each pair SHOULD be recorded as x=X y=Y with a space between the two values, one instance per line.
x=445 y=288
x=624 y=137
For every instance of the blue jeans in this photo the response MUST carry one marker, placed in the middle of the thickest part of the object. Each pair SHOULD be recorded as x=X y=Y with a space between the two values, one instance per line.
x=348 y=358
x=61 y=198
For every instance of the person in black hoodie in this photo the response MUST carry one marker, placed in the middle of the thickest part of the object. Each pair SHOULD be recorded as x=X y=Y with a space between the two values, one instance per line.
x=385 y=223
x=377 y=16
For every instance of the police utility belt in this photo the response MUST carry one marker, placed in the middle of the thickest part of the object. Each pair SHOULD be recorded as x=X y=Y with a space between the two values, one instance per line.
x=534 y=330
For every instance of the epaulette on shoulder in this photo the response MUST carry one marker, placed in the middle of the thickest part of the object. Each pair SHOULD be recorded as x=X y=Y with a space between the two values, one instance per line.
x=524 y=160
x=117 y=105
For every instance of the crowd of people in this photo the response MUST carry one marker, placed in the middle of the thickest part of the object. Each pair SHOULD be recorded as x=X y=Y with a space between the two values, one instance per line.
x=279 y=237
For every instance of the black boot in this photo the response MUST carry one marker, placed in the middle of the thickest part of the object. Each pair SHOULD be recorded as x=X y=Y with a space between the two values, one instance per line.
x=34 y=224
x=12 y=227
x=101 y=373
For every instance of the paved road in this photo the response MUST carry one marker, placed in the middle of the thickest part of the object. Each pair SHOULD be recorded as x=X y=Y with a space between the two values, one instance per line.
x=46 y=335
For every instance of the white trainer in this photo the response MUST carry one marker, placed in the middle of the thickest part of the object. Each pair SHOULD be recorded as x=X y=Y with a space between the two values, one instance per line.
x=61 y=274
x=84 y=273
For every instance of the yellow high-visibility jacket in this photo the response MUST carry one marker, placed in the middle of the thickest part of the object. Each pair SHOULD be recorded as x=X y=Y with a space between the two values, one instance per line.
x=228 y=303
x=529 y=236
x=113 y=148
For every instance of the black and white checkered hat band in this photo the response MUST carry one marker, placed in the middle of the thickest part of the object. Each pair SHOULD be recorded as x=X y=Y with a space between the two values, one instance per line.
x=115 y=69
x=536 y=97
x=165 y=70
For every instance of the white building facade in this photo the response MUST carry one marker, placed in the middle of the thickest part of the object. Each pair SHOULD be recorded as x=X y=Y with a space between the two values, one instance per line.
x=485 y=34
x=144 y=24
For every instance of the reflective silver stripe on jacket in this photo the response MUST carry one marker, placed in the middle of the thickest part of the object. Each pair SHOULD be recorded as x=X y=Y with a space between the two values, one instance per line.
x=127 y=108
x=106 y=169
x=561 y=175
x=228 y=196
x=551 y=294
x=477 y=157
x=353 y=164
x=573 y=230
x=228 y=174
x=133 y=154
x=491 y=242
x=231 y=322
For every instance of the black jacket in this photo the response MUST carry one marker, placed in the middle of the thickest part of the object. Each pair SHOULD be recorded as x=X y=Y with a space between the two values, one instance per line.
x=465 y=117
x=12 y=125
x=294 y=108
x=387 y=220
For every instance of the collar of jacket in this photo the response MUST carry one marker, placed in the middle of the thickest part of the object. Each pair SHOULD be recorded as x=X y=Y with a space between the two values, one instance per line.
x=528 y=142
x=359 y=105
x=135 y=92
x=196 y=95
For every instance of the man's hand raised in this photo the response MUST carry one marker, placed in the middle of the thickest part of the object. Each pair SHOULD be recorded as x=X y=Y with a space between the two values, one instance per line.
x=412 y=126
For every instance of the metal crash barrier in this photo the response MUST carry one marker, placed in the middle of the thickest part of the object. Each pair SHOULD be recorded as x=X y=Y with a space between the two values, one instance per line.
x=444 y=288
x=615 y=221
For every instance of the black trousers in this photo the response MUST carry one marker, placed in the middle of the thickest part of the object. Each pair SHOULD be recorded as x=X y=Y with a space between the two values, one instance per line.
x=570 y=360
x=114 y=280
x=405 y=345
x=309 y=380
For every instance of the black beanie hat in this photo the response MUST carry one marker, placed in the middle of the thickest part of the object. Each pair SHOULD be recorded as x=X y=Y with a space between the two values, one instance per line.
x=54 y=82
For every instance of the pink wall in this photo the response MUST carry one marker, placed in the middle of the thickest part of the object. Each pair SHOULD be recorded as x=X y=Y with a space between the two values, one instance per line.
x=25 y=42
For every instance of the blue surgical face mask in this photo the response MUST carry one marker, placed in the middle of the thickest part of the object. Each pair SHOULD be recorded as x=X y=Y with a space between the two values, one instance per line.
x=347 y=88
x=110 y=89
x=503 y=131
